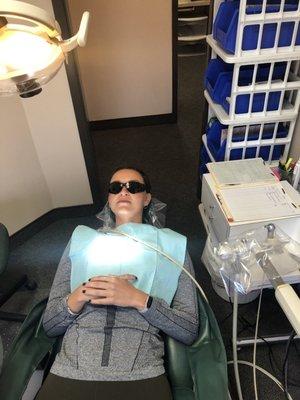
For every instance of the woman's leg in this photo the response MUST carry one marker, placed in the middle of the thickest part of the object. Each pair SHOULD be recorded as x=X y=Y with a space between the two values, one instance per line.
x=147 y=389
x=153 y=389
x=59 y=388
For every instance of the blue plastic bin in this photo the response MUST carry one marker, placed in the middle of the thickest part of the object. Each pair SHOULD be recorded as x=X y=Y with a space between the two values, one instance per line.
x=218 y=147
x=243 y=100
x=226 y=22
x=217 y=74
x=218 y=82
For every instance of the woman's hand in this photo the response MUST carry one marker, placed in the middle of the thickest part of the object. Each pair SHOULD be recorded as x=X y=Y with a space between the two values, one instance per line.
x=115 y=290
x=77 y=299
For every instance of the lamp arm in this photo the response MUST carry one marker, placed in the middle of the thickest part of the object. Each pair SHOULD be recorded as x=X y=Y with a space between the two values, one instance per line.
x=79 y=39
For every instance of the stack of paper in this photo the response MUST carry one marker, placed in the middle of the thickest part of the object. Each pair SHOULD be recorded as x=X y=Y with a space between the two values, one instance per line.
x=241 y=172
x=247 y=191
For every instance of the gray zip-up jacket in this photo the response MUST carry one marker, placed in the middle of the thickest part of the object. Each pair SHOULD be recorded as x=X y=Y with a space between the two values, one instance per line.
x=107 y=343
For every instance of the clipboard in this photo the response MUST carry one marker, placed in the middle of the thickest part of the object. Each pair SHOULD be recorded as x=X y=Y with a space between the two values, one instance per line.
x=256 y=203
x=247 y=172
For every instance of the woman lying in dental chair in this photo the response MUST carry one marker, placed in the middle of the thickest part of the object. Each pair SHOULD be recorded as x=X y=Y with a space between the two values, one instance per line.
x=112 y=321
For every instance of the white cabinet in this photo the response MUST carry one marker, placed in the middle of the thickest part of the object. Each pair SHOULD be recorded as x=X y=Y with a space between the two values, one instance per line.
x=221 y=229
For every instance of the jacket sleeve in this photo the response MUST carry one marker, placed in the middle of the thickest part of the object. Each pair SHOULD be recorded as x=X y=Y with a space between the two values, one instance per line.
x=57 y=317
x=180 y=320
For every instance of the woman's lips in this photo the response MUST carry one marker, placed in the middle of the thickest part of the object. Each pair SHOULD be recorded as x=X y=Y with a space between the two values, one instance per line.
x=123 y=201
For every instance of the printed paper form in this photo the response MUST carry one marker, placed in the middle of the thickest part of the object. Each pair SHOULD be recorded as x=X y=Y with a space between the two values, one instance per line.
x=257 y=203
x=241 y=172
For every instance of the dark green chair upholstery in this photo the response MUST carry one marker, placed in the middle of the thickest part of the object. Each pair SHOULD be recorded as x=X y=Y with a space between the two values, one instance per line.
x=199 y=371
x=28 y=351
x=196 y=372
x=9 y=284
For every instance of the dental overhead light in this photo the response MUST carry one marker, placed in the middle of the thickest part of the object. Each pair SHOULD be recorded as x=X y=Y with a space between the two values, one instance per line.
x=31 y=48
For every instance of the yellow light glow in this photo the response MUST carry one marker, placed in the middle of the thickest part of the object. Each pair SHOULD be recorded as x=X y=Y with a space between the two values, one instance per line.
x=3 y=70
x=24 y=51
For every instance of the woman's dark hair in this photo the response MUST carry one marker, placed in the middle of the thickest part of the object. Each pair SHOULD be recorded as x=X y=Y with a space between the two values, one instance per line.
x=148 y=190
x=142 y=173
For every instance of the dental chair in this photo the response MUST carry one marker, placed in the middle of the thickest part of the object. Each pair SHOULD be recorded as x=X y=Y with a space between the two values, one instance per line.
x=9 y=285
x=196 y=372
x=199 y=371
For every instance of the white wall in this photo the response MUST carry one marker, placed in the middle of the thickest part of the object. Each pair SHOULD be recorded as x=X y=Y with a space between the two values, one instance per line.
x=53 y=128
x=41 y=161
x=24 y=195
x=126 y=68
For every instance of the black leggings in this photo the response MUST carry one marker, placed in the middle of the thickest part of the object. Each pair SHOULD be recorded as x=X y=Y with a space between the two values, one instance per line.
x=58 y=388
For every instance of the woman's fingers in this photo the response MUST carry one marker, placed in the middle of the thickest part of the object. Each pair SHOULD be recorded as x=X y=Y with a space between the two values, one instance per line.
x=128 y=277
x=102 y=301
x=111 y=290
x=96 y=293
x=99 y=285
x=112 y=278
x=100 y=278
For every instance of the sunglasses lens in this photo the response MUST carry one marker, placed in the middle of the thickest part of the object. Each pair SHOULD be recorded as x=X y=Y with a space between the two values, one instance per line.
x=115 y=187
x=132 y=187
x=136 y=187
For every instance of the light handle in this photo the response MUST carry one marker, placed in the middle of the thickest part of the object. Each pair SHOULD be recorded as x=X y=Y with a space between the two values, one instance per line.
x=81 y=36
x=290 y=304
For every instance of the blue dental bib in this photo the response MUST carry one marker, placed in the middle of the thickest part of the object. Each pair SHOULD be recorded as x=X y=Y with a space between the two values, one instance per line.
x=97 y=253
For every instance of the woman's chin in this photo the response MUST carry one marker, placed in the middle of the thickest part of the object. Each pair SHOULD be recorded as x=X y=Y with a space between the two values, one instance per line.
x=124 y=216
x=123 y=208
x=123 y=212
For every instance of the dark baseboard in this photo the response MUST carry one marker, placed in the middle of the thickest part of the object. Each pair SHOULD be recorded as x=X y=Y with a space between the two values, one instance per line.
x=133 y=122
x=42 y=222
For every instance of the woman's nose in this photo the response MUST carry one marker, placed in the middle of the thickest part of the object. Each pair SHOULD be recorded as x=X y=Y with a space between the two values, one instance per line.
x=124 y=191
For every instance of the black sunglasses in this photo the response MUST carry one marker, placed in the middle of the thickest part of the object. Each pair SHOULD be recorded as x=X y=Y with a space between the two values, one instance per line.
x=132 y=187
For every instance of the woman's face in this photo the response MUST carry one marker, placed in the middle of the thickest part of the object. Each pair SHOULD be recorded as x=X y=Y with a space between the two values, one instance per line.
x=126 y=206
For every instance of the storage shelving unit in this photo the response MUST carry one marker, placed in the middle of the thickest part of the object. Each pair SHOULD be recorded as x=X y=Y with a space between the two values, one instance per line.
x=273 y=24
x=192 y=27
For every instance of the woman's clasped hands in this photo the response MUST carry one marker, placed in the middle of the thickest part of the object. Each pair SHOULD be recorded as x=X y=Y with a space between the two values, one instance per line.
x=108 y=290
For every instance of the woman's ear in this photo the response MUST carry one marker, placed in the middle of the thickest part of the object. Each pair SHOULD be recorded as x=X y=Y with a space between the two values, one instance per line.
x=147 y=199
